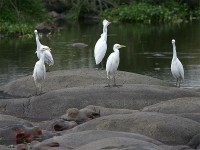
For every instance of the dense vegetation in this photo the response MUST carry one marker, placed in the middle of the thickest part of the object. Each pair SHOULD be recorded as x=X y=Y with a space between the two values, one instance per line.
x=19 y=17
x=136 y=10
x=168 y=11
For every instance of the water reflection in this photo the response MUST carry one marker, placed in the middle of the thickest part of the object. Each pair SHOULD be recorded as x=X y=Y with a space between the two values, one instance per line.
x=148 y=51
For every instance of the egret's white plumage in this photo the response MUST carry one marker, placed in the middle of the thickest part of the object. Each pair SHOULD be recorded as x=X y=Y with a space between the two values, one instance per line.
x=39 y=73
x=48 y=58
x=113 y=62
x=101 y=45
x=100 y=48
x=176 y=66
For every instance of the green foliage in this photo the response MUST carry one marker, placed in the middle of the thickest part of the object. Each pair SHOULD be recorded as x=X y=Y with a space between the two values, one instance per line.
x=145 y=12
x=19 y=17
x=196 y=13
x=18 y=10
x=16 y=29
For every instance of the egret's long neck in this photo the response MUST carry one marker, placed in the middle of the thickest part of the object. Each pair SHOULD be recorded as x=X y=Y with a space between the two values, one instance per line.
x=37 y=41
x=42 y=57
x=116 y=50
x=105 y=29
x=105 y=32
x=104 y=36
x=174 y=51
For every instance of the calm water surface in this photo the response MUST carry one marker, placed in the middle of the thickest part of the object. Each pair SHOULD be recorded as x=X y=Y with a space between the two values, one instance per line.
x=148 y=51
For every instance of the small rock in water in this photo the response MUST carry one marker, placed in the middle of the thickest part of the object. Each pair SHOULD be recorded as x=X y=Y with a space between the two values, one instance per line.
x=78 y=45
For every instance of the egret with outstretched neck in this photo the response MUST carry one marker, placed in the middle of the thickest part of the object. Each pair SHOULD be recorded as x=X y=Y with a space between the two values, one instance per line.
x=48 y=58
x=113 y=63
x=176 y=66
x=101 y=45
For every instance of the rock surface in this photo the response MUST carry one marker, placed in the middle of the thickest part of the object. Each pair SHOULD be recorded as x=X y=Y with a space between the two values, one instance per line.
x=141 y=114
x=169 y=129
x=55 y=80
x=176 y=106
x=126 y=97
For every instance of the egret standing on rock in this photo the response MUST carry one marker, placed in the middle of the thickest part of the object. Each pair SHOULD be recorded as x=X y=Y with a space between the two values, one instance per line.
x=113 y=63
x=176 y=66
x=39 y=73
x=48 y=58
x=101 y=45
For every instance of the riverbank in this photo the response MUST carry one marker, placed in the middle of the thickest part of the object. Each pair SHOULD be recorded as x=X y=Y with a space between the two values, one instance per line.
x=157 y=114
x=19 y=20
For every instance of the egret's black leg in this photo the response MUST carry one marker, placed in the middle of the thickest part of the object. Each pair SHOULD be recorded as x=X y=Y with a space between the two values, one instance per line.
x=176 y=82
x=179 y=83
x=115 y=81
x=102 y=68
x=47 y=68
x=108 y=82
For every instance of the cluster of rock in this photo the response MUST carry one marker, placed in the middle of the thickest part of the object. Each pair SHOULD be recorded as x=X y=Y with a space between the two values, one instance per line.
x=77 y=111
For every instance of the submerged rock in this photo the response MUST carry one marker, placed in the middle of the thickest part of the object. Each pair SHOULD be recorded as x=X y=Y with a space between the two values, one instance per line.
x=78 y=45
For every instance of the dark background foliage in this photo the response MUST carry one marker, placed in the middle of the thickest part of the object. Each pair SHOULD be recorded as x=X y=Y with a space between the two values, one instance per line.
x=21 y=16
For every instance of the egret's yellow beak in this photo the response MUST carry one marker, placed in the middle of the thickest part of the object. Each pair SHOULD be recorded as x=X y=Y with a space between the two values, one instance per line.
x=122 y=46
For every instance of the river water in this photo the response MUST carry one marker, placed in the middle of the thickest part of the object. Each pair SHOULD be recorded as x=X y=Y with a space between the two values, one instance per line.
x=148 y=50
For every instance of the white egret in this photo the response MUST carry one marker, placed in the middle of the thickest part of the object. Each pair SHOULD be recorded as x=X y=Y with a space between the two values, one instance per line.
x=48 y=58
x=101 y=45
x=100 y=48
x=113 y=63
x=176 y=66
x=39 y=72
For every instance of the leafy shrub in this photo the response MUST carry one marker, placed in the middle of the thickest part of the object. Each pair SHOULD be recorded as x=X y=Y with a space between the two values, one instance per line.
x=144 y=12
x=19 y=17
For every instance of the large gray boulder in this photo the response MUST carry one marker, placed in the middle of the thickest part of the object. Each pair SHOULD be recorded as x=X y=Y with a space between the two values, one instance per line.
x=7 y=120
x=122 y=143
x=195 y=142
x=167 y=128
x=78 y=139
x=192 y=116
x=129 y=96
x=102 y=139
x=176 y=106
x=188 y=107
x=55 y=80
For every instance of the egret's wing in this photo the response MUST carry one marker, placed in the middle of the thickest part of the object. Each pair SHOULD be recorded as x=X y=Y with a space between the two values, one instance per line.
x=39 y=72
x=100 y=50
x=180 y=69
x=177 y=69
x=48 y=58
x=35 y=74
